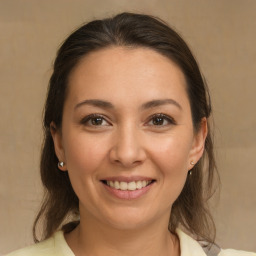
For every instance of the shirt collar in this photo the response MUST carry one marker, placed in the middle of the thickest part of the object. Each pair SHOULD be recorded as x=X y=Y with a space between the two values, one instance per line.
x=189 y=246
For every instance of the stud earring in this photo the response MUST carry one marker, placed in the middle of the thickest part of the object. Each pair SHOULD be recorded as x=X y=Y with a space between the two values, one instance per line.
x=190 y=171
x=60 y=164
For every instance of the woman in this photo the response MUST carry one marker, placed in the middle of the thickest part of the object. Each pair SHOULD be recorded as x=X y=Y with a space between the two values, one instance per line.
x=127 y=160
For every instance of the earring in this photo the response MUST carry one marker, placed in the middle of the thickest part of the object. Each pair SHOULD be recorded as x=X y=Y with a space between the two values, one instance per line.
x=190 y=171
x=60 y=164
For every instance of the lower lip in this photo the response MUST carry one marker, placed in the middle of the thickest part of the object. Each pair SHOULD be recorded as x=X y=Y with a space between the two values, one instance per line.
x=128 y=194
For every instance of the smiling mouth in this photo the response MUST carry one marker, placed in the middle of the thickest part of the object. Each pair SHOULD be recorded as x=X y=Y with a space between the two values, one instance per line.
x=128 y=186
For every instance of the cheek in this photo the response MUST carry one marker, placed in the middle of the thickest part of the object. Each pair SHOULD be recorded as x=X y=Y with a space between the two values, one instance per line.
x=172 y=153
x=85 y=158
x=83 y=153
x=81 y=158
x=171 y=158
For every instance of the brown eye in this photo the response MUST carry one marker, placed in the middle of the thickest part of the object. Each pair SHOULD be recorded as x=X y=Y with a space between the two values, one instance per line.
x=161 y=120
x=94 y=120
x=97 y=121
x=158 y=120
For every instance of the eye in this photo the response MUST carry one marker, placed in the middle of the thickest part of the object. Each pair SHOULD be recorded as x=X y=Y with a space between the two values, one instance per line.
x=161 y=120
x=95 y=120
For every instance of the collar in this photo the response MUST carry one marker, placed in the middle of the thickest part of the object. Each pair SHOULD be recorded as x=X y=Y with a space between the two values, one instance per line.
x=189 y=246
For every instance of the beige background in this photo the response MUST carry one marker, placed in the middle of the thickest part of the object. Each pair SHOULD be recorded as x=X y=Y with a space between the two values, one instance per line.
x=222 y=34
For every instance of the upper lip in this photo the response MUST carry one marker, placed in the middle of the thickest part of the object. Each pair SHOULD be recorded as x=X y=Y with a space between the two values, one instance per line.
x=127 y=178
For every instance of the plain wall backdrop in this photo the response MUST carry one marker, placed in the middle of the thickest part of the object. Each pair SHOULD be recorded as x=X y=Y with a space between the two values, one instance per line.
x=222 y=36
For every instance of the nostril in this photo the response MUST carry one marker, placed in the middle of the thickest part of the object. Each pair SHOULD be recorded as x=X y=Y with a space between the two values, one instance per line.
x=127 y=154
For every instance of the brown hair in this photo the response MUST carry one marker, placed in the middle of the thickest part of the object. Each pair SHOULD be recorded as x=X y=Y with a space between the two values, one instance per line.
x=132 y=30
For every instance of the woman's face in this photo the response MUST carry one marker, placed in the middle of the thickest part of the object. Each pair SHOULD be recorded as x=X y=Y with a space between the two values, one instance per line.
x=127 y=136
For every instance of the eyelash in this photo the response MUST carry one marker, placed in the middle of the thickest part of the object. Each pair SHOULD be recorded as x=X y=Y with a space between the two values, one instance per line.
x=90 y=118
x=170 y=120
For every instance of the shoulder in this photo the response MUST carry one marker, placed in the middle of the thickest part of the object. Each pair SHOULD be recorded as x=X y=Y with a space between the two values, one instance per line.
x=43 y=248
x=231 y=252
x=191 y=247
x=53 y=246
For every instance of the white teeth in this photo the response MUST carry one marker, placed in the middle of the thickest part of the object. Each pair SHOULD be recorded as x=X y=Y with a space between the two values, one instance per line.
x=123 y=185
x=132 y=185
x=116 y=185
x=139 y=184
x=128 y=185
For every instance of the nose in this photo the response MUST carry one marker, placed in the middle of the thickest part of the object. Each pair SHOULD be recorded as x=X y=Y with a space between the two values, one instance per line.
x=128 y=149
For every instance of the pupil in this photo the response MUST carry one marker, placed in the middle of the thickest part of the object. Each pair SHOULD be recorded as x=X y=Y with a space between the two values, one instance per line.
x=97 y=121
x=158 y=121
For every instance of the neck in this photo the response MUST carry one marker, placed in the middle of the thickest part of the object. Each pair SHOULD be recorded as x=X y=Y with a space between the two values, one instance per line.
x=94 y=238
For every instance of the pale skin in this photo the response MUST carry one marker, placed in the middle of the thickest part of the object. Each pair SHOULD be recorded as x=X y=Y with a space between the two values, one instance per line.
x=126 y=115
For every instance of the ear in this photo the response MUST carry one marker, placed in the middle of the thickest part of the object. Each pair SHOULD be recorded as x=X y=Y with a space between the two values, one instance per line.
x=59 y=150
x=197 y=149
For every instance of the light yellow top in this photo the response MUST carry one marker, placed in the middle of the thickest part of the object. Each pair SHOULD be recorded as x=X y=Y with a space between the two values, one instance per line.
x=57 y=246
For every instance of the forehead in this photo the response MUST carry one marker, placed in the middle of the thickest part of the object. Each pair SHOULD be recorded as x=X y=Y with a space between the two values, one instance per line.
x=126 y=73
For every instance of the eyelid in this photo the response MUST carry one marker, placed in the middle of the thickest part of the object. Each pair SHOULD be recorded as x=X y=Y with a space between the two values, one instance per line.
x=171 y=120
x=87 y=118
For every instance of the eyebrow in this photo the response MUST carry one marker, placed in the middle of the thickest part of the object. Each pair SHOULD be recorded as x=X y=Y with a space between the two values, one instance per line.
x=147 y=105
x=157 y=103
x=95 y=103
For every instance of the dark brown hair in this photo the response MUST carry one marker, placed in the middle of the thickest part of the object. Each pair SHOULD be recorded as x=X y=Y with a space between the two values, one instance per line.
x=60 y=203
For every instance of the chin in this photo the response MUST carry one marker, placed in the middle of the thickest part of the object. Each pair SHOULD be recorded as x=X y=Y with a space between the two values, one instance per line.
x=129 y=218
x=127 y=224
